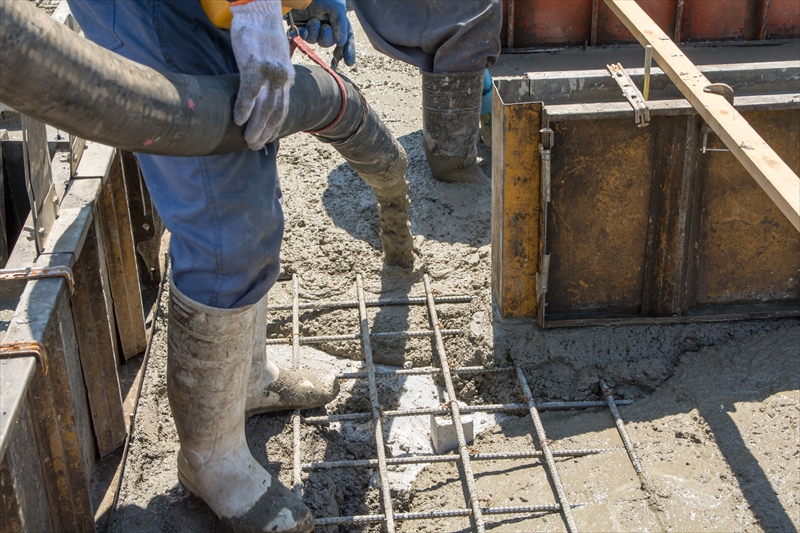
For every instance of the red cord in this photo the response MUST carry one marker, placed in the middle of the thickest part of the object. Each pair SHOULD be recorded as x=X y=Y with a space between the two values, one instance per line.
x=297 y=43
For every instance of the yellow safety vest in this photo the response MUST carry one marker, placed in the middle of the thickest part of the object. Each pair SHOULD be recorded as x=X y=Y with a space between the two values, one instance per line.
x=219 y=13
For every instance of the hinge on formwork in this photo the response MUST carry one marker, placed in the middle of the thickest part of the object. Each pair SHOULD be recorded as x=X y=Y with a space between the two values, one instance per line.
x=542 y=277
x=544 y=152
x=632 y=93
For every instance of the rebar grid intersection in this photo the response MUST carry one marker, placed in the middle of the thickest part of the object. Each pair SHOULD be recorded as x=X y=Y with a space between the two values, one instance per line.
x=451 y=407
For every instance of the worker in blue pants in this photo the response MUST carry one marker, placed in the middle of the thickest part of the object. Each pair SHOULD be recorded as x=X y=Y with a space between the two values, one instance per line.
x=225 y=217
x=453 y=43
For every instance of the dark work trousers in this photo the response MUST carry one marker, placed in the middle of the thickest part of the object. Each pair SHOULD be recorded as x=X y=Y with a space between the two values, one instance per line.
x=435 y=35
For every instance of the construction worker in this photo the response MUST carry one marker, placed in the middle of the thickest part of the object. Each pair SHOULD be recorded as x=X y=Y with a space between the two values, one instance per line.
x=225 y=216
x=452 y=42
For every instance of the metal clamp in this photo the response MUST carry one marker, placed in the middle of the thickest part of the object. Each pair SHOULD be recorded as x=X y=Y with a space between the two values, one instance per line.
x=12 y=350
x=632 y=93
x=40 y=273
x=704 y=148
x=722 y=89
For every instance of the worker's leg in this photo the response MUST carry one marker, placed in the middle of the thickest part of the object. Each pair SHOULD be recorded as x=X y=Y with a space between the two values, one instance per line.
x=452 y=42
x=207 y=374
x=227 y=224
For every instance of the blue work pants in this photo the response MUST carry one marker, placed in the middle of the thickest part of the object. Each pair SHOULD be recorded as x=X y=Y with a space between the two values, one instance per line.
x=223 y=211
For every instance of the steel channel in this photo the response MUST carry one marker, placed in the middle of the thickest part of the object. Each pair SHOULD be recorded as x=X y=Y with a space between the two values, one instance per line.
x=451 y=393
x=443 y=513
x=357 y=336
x=439 y=411
x=548 y=453
x=510 y=36
x=425 y=459
x=297 y=471
x=425 y=371
x=453 y=299
x=623 y=433
x=376 y=414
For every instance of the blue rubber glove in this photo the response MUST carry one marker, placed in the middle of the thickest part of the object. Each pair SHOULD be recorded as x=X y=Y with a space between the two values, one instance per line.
x=326 y=24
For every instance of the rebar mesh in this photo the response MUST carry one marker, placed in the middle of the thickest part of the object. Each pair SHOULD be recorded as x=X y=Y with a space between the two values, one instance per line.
x=454 y=407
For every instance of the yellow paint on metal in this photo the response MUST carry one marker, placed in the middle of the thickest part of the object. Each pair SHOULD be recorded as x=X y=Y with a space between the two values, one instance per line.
x=515 y=206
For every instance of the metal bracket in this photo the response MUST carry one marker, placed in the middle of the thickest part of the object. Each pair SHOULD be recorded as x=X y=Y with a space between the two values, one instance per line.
x=722 y=89
x=632 y=93
x=11 y=350
x=40 y=273
x=545 y=157
x=542 y=277
x=704 y=148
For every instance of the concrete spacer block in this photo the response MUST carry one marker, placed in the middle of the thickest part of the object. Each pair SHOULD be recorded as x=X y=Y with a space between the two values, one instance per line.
x=443 y=432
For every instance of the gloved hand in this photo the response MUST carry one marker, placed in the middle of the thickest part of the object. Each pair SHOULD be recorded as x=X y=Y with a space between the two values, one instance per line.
x=327 y=25
x=266 y=72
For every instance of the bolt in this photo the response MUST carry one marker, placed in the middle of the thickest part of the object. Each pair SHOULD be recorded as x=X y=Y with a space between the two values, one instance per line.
x=146 y=227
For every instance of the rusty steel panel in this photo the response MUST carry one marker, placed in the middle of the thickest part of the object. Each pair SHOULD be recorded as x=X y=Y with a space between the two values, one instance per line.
x=747 y=252
x=610 y=30
x=643 y=224
x=547 y=23
x=515 y=201
x=601 y=180
x=783 y=20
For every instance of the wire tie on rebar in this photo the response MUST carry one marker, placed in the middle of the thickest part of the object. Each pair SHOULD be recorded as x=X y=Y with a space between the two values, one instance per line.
x=12 y=350
x=30 y=273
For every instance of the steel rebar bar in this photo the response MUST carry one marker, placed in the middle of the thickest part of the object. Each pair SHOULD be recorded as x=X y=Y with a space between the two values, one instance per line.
x=376 y=409
x=623 y=433
x=297 y=471
x=428 y=370
x=440 y=411
x=357 y=336
x=454 y=299
x=441 y=513
x=561 y=494
x=463 y=450
x=425 y=459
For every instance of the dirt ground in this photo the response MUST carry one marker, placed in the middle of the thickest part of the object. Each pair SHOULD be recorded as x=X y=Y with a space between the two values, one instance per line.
x=716 y=418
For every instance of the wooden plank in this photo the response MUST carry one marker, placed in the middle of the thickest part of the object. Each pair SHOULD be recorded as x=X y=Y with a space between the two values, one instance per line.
x=23 y=498
x=767 y=168
x=516 y=192
x=117 y=237
x=61 y=424
x=97 y=346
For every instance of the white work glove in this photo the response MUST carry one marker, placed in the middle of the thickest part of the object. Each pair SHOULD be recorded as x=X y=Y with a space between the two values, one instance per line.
x=265 y=70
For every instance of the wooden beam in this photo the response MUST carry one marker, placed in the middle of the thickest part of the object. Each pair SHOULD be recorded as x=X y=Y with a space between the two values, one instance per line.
x=764 y=165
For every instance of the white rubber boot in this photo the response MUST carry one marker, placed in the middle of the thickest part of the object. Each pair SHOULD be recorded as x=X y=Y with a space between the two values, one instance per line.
x=208 y=365
x=271 y=388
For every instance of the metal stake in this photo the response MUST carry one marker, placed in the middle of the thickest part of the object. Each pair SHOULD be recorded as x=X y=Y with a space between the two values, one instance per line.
x=298 y=482
x=648 y=63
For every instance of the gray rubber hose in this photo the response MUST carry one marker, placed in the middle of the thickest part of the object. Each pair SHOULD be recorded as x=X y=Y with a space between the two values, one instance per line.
x=52 y=74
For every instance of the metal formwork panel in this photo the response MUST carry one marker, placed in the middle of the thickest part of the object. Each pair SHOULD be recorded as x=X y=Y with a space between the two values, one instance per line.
x=647 y=224
x=547 y=23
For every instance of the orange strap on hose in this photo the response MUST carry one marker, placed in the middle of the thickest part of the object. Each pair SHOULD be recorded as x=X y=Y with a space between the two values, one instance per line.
x=296 y=43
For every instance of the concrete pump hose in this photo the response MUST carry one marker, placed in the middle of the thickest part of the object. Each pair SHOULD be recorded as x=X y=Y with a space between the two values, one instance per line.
x=52 y=74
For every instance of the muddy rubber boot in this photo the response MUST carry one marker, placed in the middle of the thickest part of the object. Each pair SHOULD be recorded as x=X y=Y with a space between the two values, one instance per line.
x=208 y=365
x=272 y=388
x=390 y=188
x=451 y=108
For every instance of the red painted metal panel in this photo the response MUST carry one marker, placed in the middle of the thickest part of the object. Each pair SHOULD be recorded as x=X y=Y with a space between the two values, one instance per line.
x=611 y=31
x=545 y=23
x=551 y=22
x=784 y=19
x=715 y=20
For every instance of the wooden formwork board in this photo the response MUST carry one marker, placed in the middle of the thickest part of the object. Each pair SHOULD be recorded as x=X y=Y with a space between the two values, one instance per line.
x=78 y=404
x=642 y=226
